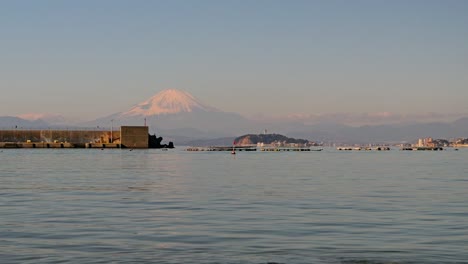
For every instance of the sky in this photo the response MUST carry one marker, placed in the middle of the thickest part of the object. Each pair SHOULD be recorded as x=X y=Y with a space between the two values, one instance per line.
x=88 y=59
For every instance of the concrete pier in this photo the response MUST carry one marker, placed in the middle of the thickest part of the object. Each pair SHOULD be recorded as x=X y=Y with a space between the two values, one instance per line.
x=284 y=149
x=42 y=145
x=35 y=145
x=382 y=148
x=237 y=148
x=251 y=148
x=423 y=148
x=127 y=136
x=102 y=145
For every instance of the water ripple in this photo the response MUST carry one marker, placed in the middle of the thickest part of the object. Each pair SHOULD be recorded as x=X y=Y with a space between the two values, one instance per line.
x=77 y=206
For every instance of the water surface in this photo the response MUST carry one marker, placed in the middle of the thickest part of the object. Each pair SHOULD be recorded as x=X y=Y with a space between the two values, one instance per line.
x=153 y=206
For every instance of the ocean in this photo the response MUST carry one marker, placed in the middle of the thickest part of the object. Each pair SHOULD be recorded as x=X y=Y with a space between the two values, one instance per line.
x=154 y=206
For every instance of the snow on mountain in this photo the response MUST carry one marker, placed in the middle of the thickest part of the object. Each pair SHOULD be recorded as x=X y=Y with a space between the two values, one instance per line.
x=170 y=101
x=175 y=110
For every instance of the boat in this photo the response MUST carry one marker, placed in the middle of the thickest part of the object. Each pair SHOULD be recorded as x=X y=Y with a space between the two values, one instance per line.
x=233 y=152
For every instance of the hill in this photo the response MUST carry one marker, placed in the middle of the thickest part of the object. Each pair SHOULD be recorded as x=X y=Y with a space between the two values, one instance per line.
x=252 y=139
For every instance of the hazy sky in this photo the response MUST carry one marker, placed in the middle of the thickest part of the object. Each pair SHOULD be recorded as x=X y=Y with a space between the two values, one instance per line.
x=92 y=58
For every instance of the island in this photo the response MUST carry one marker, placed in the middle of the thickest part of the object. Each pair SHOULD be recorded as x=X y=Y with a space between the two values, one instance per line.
x=271 y=139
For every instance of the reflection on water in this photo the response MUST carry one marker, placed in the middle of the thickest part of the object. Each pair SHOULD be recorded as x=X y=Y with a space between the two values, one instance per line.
x=181 y=207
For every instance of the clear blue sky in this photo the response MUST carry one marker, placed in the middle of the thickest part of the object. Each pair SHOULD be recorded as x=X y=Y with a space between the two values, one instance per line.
x=92 y=58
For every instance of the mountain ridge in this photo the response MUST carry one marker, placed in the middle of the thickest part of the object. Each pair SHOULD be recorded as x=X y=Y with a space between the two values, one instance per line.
x=13 y=122
x=180 y=116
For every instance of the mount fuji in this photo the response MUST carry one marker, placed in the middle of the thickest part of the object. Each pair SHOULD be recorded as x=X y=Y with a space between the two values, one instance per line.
x=179 y=116
x=170 y=101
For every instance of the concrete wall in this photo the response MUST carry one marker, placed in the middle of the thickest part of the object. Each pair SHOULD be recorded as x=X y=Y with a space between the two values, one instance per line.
x=134 y=136
x=49 y=135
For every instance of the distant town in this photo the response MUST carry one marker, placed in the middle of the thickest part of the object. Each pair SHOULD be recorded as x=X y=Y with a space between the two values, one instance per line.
x=281 y=141
x=428 y=142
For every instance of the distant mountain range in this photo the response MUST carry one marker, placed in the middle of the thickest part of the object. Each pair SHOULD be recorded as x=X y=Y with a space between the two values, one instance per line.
x=180 y=117
x=12 y=122
x=54 y=119
x=383 y=133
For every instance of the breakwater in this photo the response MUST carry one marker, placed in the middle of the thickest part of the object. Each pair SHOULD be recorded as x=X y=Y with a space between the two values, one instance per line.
x=423 y=148
x=49 y=138
x=126 y=136
x=222 y=148
x=58 y=145
x=59 y=136
x=250 y=148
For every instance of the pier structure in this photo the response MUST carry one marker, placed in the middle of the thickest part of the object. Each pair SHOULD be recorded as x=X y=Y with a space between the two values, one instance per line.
x=223 y=148
x=125 y=137
x=41 y=145
x=422 y=148
x=251 y=148
x=284 y=149
x=382 y=148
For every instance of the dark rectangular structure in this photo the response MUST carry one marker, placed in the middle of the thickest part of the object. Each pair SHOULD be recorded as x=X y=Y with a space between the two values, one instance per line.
x=134 y=136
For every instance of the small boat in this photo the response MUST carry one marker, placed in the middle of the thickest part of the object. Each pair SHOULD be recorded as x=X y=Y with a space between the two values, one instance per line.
x=233 y=152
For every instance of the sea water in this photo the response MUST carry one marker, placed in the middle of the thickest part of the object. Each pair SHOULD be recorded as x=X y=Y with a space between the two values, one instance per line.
x=153 y=206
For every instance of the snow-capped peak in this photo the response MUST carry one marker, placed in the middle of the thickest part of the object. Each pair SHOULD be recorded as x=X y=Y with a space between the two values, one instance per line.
x=168 y=101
